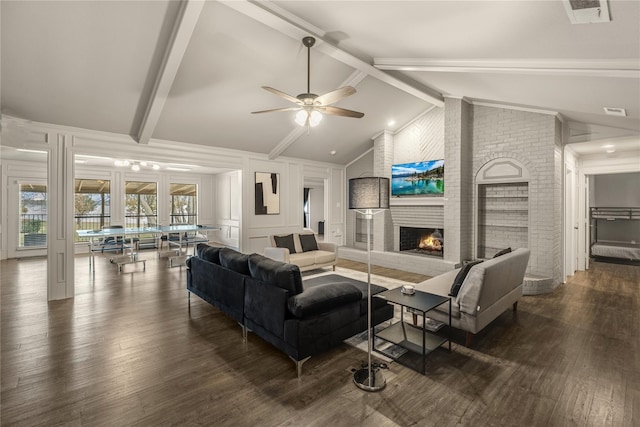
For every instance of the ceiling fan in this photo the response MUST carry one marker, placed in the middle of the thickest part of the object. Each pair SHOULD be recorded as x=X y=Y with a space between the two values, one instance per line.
x=310 y=106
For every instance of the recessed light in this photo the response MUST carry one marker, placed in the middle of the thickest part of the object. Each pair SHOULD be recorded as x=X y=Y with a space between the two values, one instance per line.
x=615 y=111
x=333 y=152
x=608 y=146
x=611 y=150
x=155 y=167
x=391 y=122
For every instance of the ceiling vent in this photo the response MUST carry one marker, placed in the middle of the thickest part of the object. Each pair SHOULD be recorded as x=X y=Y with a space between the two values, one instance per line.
x=612 y=111
x=587 y=11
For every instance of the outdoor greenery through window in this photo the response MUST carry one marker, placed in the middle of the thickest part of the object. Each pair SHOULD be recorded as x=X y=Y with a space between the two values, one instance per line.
x=92 y=204
x=33 y=215
x=141 y=204
x=184 y=206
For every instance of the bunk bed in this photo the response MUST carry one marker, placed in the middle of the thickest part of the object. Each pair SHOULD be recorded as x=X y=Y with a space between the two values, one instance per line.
x=615 y=233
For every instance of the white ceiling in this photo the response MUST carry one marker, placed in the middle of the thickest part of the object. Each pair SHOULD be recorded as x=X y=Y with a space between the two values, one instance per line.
x=99 y=65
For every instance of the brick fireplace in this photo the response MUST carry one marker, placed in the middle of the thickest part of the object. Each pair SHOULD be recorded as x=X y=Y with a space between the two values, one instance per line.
x=422 y=241
x=503 y=187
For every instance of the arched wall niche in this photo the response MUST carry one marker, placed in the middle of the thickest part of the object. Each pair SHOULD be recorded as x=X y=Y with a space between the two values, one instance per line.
x=502 y=214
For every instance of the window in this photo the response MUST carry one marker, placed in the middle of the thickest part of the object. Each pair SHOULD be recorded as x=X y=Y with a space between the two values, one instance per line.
x=92 y=204
x=141 y=204
x=32 y=215
x=184 y=207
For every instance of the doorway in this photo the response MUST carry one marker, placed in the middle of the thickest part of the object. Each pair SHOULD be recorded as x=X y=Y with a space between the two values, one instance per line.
x=313 y=209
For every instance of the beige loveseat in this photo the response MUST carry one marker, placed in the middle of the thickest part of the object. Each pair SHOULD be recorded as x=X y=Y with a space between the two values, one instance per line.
x=489 y=288
x=289 y=248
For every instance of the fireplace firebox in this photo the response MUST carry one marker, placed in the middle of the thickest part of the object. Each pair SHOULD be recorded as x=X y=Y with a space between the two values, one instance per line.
x=423 y=241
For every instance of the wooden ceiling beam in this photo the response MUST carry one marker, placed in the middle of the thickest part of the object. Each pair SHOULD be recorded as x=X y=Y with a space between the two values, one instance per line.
x=279 y=19
x=182 y=30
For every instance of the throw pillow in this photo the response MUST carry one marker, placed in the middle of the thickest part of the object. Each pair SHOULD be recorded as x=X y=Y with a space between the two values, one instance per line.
x=462 y=274
x=285 y=242
x=308 y=242
x=502 y=252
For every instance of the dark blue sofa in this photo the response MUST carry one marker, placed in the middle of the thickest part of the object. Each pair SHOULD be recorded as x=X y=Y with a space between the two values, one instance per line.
x=269 y=298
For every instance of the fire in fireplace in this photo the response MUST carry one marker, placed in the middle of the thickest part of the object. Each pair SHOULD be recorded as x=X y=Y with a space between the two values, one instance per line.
x=424 y=241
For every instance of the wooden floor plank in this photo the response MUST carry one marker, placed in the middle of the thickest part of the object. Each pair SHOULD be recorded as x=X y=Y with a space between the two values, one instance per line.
x=129 y=349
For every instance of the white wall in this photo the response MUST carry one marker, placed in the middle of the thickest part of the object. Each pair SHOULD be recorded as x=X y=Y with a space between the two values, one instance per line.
x=257 y=228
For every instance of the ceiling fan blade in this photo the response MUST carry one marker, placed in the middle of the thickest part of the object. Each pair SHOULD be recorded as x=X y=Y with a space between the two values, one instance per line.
x=282 y=94
x=276 y=110
x=335 y=95
x=337 y=111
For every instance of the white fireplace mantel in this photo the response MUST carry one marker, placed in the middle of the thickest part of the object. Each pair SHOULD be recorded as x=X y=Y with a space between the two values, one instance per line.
x=417 y=201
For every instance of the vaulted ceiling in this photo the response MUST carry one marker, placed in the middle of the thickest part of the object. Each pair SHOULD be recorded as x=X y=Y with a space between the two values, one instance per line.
x=192 y=71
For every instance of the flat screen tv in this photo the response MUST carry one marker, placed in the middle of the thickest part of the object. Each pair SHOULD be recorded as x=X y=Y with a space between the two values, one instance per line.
x=418 y=179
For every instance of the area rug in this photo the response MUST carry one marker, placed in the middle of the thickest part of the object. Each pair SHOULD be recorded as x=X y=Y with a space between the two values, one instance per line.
x=357 y=275
x=360 y=340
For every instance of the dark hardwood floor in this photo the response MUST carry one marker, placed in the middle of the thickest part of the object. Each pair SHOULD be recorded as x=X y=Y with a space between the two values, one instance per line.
x=127 y=350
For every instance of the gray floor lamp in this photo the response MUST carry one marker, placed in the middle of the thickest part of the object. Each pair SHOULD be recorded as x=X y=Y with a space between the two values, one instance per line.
x=369 y=196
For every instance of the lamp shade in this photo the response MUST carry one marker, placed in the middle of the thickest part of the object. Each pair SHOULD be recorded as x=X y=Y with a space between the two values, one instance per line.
x=369 y=193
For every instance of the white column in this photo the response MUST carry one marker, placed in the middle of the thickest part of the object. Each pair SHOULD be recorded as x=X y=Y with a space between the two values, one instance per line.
x=60 y=234
x=458 y=214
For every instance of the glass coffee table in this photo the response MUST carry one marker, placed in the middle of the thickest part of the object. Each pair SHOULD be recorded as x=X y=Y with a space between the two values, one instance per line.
x=417 y=340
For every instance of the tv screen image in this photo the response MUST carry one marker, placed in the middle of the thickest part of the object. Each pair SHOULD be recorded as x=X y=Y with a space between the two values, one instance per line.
x=418 y=178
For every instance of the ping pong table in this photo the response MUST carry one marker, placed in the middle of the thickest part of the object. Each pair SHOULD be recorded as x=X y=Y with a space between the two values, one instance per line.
x=124 y=240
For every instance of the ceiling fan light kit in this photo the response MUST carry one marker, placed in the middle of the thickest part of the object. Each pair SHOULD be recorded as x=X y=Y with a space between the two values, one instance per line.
x=311 y=118
x=310 y=107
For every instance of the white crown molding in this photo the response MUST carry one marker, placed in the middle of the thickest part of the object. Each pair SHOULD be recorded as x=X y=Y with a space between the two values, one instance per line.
x=92 y=142
x=359 y=157
x=417 y=201
x=410 y=122
x=570 y=150
x=406 y=125
x=517 y=108
x=42 y=127
x=599 y=164
x=620 y=68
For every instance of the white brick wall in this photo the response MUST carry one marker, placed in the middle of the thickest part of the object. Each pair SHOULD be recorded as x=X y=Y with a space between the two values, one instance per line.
x=457 y=180
x=422 y=139
x=382 y=161
x=503 y=217
x=531 y=139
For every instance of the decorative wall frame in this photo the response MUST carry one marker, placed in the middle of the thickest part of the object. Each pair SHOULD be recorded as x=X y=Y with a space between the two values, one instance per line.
x=267 y=193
